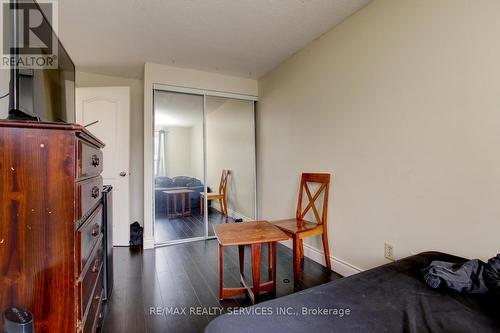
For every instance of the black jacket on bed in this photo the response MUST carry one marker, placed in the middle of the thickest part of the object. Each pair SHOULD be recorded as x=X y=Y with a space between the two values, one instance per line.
x=388 y=298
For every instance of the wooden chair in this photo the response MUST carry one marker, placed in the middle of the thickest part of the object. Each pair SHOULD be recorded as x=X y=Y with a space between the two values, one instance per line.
x=221 y=195
x=298 y=228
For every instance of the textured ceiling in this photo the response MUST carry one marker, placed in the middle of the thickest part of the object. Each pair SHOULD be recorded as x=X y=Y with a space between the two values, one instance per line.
x=239 y=37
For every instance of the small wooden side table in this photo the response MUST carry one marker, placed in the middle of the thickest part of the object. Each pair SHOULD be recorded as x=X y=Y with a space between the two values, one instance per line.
x=254 y=234
x=185 y=195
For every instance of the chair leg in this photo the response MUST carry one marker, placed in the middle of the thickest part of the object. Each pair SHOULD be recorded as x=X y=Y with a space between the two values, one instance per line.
x=221 y=206
x=301 y=252
x=202 y=205
x=241 y=252
x=324 y=236
x=270 y=260
x=296 y=260
x=225 y=206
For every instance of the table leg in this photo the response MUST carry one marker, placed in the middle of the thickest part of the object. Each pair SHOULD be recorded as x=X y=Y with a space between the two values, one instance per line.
x=256 y=252
x=270 y=260
x=175 y=204
x=168 y=210
x=183 y=204
x=296 y=261
x=241 y=250
x=273 y=277
x=188 y=196
x=221 y=276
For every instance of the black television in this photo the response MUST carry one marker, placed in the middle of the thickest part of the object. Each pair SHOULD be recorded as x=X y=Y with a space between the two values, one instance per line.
x=44 y=93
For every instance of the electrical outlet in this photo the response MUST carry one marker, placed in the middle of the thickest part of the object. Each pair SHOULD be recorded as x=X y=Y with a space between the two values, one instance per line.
x=389 y=251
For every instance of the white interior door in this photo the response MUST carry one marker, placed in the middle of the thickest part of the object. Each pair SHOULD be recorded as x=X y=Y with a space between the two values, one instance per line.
x=110 y=107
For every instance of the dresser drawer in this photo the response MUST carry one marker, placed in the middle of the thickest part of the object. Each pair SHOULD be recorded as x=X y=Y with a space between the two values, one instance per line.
x=91 y=277
x=89 y=160
x=87 y=237
x=88 y=194
x=93 y=319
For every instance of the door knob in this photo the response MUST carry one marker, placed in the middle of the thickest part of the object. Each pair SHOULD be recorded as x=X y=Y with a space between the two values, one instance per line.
x=123 y=174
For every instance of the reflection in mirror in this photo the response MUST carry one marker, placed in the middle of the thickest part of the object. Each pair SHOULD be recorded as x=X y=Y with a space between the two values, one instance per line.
x=230 y=144
x=178 y=166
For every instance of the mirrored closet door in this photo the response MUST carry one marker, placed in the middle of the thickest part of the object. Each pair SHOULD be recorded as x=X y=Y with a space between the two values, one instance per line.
x=179 y=180
x=204 y=163
x=230 y=144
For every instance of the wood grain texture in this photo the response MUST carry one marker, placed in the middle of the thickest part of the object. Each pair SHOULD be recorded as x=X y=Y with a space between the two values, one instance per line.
x=77 y=130
x=254 y=234
x=88 y=281
x=90 y=325
x=88 y=194
x=299 y=228
x=89 y=160
x=221 y=196
x=37 y=251
x=87 y=237
x=248 y=233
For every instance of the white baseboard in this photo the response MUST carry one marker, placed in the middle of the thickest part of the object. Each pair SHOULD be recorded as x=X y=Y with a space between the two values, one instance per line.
x=232 y=213
x=338 y=265
x=148 y=243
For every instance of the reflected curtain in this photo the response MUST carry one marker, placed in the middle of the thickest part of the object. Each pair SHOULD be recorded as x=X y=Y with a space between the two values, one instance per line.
x=161 y=162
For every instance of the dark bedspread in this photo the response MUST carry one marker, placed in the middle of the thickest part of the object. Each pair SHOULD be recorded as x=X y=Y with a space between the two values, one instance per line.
x=389 y=298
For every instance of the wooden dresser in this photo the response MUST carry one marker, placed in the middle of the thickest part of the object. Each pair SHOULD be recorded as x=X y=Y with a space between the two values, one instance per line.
x=51 y=249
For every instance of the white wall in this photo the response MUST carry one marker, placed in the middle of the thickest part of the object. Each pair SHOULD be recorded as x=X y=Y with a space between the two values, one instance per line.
x=231 y=145
x=178 y=151
x=197 y=167
x=168 y=75
x=84 y=79
x=4 y=89
x=401 y=103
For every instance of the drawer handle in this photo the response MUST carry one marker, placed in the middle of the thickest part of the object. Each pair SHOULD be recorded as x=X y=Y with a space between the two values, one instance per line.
x=95 y=192
x=95 y=230
x=95 y=160
x=96 y=266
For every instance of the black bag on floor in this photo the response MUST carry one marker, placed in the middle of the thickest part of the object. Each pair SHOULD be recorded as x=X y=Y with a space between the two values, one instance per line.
x=136 y=232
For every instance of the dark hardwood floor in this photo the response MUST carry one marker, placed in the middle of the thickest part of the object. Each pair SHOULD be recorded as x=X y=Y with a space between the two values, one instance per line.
x=186 y=227
x=186 y=275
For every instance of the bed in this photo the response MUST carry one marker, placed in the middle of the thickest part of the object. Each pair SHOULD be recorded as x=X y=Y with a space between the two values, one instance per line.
x=388 y=298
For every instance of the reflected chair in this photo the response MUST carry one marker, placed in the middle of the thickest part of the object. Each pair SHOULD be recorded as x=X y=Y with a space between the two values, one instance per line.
x=221 y=196
x=299 y=228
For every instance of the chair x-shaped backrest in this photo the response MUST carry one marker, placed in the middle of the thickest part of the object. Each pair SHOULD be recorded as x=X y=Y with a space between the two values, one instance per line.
x=223 y=181
x=323 y=179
